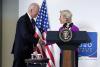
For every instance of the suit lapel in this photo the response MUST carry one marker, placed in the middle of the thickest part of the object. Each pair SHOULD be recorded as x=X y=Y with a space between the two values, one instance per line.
x=29 y=24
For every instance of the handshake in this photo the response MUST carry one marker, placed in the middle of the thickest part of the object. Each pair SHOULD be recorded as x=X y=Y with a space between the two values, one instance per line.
x=41 y=41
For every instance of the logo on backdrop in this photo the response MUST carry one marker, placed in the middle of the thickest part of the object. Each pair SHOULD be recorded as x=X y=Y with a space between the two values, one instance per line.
x=89 y=49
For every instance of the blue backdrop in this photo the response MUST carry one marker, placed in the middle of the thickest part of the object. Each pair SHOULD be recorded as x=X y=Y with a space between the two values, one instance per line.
x=89 y=49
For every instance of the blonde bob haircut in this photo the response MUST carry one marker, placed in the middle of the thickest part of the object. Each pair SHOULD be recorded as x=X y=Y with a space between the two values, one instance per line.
x=66 y=13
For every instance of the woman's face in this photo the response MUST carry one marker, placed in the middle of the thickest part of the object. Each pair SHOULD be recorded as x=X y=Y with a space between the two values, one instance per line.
x=62 y=19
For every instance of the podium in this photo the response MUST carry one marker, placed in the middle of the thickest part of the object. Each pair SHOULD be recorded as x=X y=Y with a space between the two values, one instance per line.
x=37 y=62
x=68 y=48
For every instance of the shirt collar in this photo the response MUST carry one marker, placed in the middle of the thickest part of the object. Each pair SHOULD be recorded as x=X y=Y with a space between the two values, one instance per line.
x=29 y=16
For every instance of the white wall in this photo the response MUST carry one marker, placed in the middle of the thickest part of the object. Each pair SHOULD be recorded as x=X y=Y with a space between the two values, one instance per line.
x=86 y=14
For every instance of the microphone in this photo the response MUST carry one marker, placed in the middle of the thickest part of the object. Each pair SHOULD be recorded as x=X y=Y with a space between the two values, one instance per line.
x=68 y=25
x=65 y=25
x=71 y=24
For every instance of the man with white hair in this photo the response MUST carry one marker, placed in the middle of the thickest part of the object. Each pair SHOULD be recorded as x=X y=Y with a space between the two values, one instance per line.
x=66 y=20
x=25 y=38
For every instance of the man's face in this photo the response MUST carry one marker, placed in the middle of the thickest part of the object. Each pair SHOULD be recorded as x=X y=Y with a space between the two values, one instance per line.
x=34 y=11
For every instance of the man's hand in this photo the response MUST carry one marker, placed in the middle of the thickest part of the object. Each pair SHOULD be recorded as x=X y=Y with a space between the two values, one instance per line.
x=36 y=35
x=41 y=41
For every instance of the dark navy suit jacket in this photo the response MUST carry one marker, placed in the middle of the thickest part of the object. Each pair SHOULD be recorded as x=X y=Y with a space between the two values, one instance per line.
x=24 y=39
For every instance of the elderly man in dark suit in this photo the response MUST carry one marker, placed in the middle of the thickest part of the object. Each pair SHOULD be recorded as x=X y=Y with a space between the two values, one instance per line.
x=25 y=38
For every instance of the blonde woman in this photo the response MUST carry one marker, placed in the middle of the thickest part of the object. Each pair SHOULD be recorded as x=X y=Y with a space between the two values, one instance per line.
x=66 y=20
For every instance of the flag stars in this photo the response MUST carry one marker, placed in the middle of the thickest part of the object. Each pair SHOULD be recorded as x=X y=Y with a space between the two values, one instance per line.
x=40 y=23
x=42 y=19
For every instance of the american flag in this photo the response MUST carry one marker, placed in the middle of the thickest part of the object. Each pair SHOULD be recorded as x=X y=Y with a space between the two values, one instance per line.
x=42 y=24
